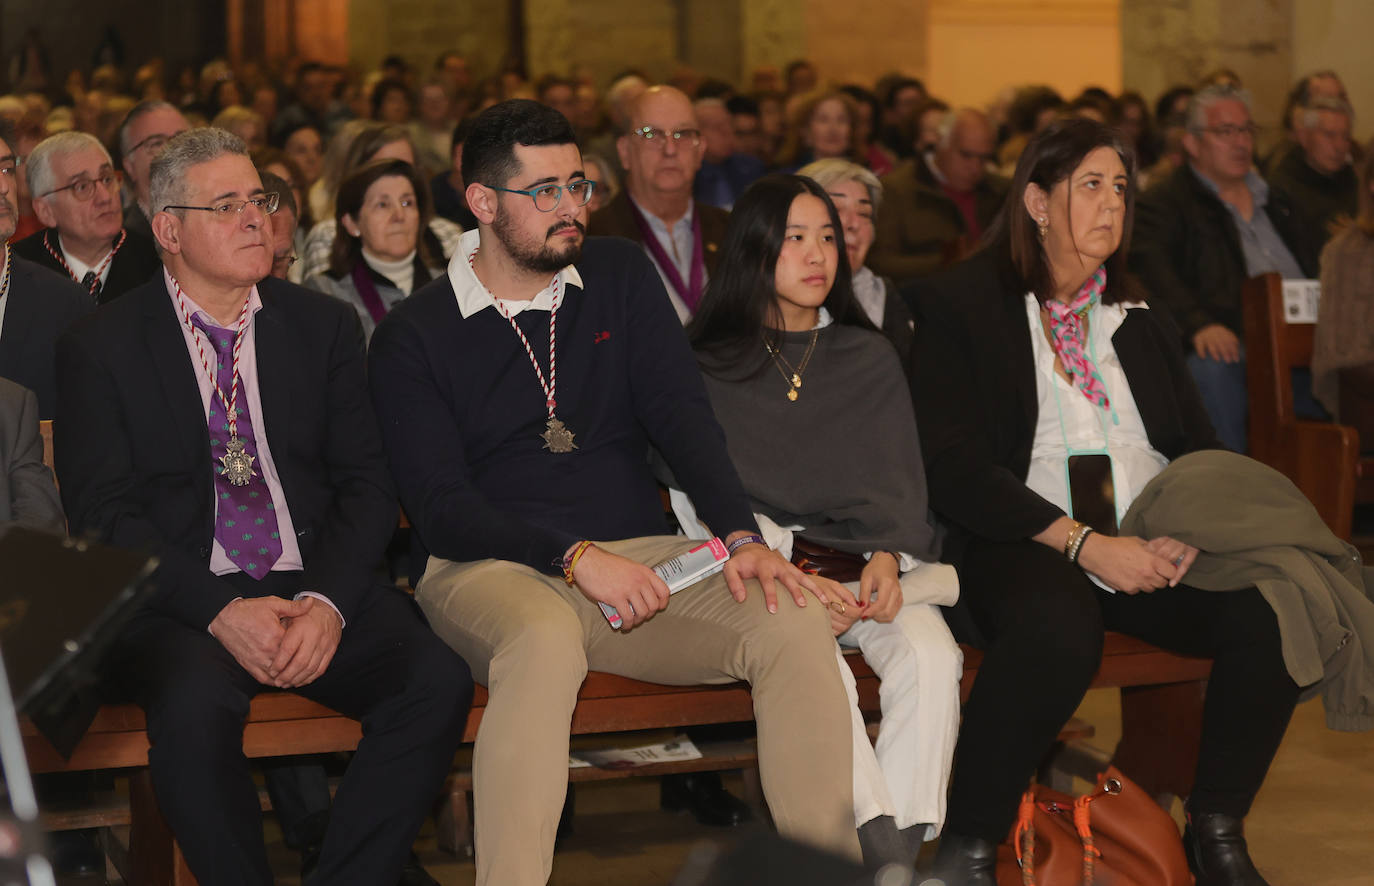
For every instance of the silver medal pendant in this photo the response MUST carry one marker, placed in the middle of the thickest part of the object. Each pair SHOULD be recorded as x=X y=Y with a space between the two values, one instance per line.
x=557 y=437
x=237 y=465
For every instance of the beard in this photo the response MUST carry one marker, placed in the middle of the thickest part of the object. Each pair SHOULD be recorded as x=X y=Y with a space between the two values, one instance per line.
x=542 y=257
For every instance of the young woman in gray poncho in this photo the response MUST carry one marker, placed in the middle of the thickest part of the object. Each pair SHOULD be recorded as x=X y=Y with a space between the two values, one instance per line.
x=819 y=424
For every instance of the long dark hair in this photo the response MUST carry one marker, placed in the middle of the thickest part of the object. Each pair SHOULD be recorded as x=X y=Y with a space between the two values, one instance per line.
x=347 y=249
x=1050 y=158
x=739 y=310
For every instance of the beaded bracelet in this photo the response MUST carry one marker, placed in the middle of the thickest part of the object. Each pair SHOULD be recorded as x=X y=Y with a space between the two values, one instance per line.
x=744 y=540
x=1078 y=543
x=1075 y=533
x=570 y=561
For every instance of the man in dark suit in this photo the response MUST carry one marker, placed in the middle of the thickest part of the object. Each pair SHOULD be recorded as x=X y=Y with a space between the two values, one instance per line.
x=76 y=196
x=661 y=152
x=27 y=494
x=36 y=305
x=220 y=418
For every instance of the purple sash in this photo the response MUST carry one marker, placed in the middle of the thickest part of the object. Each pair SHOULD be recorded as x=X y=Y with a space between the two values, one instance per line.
x=690 y=293
x=367 y=291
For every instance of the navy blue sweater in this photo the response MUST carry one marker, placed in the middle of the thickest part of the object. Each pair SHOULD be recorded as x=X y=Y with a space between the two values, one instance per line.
x=462 y=411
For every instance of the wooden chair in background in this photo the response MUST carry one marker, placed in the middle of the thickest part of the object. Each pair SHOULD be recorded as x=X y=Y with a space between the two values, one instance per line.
x=1321 y=458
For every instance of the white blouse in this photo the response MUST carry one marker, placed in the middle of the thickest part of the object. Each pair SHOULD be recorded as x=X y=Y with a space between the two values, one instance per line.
x=1068 y=420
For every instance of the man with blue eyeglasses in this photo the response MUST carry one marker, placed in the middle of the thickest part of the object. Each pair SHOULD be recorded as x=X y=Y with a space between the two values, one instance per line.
x=518 y=396
x=661 y=150
x=76 y=196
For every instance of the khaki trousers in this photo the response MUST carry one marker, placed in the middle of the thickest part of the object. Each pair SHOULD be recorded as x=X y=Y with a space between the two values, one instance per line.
x=531 y=639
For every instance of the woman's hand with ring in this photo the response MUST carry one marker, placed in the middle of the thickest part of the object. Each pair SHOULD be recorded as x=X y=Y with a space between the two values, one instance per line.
x=1125 y=563
x=1176 y=552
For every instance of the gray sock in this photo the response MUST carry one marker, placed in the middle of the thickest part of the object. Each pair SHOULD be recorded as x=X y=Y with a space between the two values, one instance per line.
x=882 y=843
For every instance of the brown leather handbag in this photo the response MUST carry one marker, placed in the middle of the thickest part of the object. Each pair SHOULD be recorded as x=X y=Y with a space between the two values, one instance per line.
x=817 y=559
x=1115 y=835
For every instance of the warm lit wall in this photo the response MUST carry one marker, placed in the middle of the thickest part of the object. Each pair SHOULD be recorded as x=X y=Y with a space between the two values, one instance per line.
x=1335 y=34
x=979 y=47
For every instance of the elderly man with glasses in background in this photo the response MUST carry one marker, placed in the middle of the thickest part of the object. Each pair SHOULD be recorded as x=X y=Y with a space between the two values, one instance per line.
x=661 y=151
x=144 y=131
x=76 y=196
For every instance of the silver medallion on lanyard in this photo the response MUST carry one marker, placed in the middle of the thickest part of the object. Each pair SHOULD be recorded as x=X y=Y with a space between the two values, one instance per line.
x=1090 y=474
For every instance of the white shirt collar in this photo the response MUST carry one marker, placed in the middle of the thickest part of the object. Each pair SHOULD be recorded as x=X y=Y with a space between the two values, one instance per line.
x=472 y=296
x=79 y=268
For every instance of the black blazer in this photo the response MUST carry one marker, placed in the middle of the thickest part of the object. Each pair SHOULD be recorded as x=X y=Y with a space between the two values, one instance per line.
x=616 y=219
x=1187 y=250
x=134 y=264
x=41 y=306
x=973 y=383
x=133 y=452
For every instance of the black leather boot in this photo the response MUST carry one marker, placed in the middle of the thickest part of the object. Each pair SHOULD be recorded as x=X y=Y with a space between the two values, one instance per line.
x=1217 y=856
x=965 y=861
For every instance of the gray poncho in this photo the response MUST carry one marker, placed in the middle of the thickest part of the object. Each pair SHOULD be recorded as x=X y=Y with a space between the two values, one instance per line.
x=843 y=460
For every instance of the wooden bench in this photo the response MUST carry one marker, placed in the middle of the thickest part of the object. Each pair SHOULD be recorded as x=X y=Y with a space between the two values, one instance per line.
x=1322 y=459
x=1161 y=720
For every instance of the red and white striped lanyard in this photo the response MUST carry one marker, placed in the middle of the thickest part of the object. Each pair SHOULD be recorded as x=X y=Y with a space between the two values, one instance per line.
x=5 y=281
x=99 y=272
x=231 y=402
x=551 y=386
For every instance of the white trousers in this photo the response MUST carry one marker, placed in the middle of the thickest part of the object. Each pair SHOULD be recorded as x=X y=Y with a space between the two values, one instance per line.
x=907 y=774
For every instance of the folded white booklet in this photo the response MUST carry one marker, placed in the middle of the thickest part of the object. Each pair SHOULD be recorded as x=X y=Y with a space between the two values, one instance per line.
x=681 y=571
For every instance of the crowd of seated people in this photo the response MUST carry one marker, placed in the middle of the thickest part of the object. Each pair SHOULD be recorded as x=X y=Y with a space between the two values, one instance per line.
x=490 y=300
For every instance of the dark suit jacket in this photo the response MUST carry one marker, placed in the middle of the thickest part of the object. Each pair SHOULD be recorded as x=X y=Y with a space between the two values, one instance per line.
x=133 y=453
x=134 y=264
x=974 y=388
x=1187 y=250
x=41 y=306
x=27 y=494
x=616 y=219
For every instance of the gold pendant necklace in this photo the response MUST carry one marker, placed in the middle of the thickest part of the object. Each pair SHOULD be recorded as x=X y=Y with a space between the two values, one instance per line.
x=792 y=374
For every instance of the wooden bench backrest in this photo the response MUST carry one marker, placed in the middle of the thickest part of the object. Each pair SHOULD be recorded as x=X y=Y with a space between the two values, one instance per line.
x=45 y=428
x=1274 y=347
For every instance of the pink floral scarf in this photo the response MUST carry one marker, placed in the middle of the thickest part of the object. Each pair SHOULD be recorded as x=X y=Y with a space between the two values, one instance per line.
x=1070 y=343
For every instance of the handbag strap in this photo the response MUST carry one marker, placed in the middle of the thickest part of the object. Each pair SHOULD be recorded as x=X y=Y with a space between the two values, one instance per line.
x=1023 y=838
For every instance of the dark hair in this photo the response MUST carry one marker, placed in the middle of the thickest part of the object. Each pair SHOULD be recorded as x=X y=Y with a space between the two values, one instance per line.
x=1028 y=104
x=284 y=135
x=348 y=250
x=889 y=87
x=742 y=104
x=862 y=96
x=1048 y=159
x=385 y=87
x=462 y=130
x=714 y=88
x=489 y=152
x=739 y=310
x=1301 y=94
x=1165 y=114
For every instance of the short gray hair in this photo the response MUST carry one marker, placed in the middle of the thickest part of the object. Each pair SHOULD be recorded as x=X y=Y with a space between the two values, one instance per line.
x=38 y=167
x=1307 y=119
x=1208 y=96
x=167 y=175
x=836 y=171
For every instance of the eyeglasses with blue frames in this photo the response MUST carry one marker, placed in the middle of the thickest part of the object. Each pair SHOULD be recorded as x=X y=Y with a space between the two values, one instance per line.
x=547 y=197
x=84 y=188
x=227 y=209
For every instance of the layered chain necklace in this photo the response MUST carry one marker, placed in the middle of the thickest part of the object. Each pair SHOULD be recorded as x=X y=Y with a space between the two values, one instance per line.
x=792 y=374
x=236 y=464
x=557 y=437
x=97 y=273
